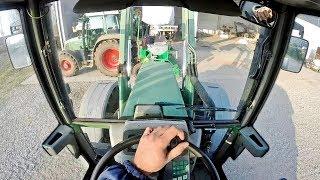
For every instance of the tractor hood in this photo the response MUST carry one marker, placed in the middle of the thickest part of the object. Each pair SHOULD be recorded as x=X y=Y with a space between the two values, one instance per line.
x=155 y=85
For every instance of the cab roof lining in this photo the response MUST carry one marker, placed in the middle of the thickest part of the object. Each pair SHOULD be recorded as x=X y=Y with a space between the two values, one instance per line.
x=307 y=4
x=225 y=7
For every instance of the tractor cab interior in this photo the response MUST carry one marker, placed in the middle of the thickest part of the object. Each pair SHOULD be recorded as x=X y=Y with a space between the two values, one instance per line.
x=110 y=69
x=157 y=84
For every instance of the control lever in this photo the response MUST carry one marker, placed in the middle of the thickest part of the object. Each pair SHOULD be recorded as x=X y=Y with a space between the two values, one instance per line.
x=174 y=142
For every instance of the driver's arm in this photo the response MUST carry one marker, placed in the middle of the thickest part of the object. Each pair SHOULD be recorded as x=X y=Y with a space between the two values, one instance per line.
x=151 y=155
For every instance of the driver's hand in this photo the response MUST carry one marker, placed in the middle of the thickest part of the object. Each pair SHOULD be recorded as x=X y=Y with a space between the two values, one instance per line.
x=263 y=13
x=152 y=155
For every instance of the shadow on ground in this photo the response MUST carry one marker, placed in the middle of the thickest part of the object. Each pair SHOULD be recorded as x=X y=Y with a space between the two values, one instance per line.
x=243 y=50
x=274 y=124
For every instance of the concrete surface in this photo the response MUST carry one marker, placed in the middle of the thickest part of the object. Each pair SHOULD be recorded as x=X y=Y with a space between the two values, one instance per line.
x=85 y=75
x=288 y=122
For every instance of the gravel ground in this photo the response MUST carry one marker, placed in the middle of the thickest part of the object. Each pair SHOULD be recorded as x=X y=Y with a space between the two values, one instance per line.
x=289 y=122
x=77 y=92
x=24 y=126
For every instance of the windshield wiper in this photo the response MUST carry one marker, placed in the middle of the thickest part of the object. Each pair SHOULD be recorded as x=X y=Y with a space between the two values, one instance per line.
x=202 y=108
x=195 y=107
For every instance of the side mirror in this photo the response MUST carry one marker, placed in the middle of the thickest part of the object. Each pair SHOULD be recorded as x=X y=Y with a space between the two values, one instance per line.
x=295 y=55
x=298 y=30
x=18 y=51
x=258 y=14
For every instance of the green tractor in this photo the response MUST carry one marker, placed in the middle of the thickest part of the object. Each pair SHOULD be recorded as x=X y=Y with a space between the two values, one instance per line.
x=167 y=54
x=97 y=44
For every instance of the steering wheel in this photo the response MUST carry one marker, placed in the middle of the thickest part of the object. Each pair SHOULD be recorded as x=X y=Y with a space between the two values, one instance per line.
x=135 y=140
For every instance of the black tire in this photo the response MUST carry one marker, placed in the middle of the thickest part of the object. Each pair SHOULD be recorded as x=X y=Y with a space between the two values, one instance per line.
x=68 y=64
x=101 y=100
x=111 y=45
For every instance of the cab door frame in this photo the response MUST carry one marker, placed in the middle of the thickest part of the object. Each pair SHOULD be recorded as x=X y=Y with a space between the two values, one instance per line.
x=259 y=90
x=47 y=71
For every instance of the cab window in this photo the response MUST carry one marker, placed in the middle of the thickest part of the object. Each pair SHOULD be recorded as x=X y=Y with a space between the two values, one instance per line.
x=224 y=48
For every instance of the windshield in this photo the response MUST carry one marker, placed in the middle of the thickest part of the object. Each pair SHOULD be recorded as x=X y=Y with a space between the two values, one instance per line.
x=153 y=47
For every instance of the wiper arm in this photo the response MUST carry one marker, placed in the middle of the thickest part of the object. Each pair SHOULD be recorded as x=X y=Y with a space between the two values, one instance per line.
x=167 y=104
x=202 y=108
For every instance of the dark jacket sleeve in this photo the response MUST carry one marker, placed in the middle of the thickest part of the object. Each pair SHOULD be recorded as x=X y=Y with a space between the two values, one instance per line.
x=125 y=172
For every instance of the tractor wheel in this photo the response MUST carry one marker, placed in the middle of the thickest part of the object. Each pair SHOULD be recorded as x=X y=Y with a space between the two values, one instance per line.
x=68 y=64
x=106 y=57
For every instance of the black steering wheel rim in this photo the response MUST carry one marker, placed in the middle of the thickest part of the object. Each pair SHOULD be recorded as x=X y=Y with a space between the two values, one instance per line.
x=135 y=140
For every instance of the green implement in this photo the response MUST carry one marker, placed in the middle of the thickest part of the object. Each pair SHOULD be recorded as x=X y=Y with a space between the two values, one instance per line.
x=167 y=56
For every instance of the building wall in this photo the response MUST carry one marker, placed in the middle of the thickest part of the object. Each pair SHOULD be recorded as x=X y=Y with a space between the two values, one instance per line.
x=213 y=22
x=69 y=17
x=8 y=18
x=311 y=19
x=311 y=33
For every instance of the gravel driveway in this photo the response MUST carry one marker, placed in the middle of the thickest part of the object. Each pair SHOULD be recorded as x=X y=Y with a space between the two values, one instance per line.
x=23 y=128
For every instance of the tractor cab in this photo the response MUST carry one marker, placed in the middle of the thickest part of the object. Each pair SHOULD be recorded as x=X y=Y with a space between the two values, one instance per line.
x=206 y=67
x=103 y=21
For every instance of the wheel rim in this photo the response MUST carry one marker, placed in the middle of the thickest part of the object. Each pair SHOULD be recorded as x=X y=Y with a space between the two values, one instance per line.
x=66 y=65
x=110 y=59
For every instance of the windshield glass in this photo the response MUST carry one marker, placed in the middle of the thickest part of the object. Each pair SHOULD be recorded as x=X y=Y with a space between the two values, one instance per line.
x=153 y=46
x=225 y=49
